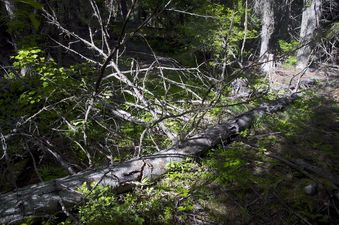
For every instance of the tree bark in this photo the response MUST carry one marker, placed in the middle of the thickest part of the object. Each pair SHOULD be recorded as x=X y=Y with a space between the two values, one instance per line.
x=124 y=10
x=50 y=197
x=309 y=23
x=10 y=8
x=267 y=28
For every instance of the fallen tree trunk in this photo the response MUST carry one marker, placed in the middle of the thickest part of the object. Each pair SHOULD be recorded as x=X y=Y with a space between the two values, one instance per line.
x=50 y=197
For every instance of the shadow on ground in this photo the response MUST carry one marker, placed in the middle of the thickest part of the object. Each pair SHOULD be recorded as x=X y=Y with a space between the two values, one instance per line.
x=283 y=171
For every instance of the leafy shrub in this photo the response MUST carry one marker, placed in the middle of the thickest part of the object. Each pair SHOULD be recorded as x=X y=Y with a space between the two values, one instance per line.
x=289 y=48
x=170 y=200
x=103 y=207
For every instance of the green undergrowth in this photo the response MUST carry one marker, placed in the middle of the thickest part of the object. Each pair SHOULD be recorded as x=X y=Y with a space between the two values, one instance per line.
x=170 y=201
x=239 y=183
x=48 y=104
x=236 y=183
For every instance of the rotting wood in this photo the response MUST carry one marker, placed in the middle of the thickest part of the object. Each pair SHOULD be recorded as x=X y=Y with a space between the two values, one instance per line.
x=50 y=197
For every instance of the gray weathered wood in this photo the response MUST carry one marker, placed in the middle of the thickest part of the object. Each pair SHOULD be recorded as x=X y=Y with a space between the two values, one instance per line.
x=309 y=24
x=48 y=198
x=266 y=9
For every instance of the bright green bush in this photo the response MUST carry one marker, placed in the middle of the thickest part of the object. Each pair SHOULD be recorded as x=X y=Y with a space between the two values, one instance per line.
x=103 y=207
x=289 y=48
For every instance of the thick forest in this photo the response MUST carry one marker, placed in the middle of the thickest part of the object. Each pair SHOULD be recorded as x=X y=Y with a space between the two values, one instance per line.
x=169 y=112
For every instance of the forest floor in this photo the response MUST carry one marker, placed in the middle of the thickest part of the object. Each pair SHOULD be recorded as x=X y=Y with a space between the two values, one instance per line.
x=290 y=173
x=284 y=170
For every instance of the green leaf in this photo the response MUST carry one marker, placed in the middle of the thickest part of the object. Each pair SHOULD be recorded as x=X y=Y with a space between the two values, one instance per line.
x=35 y=22
x=45 y=84
x=32 y=3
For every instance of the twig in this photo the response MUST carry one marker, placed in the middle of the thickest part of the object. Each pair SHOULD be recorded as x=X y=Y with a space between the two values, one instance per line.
x=116 y=47
x=291 y=210
x=192 y=14
x=291 y=164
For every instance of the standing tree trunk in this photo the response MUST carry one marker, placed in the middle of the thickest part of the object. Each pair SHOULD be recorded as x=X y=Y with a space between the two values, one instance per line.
x=10 y=8
x=266 y=10
x=309 y=23
x=124 y=10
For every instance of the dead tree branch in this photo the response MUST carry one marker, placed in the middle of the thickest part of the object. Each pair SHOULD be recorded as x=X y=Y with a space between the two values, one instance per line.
x=44 y=198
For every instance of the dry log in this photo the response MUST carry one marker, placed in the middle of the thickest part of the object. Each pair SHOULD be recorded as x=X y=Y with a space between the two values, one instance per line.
x=50 y=197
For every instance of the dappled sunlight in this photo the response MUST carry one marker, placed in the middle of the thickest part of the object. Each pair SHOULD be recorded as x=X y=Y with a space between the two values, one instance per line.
x=169 y=112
